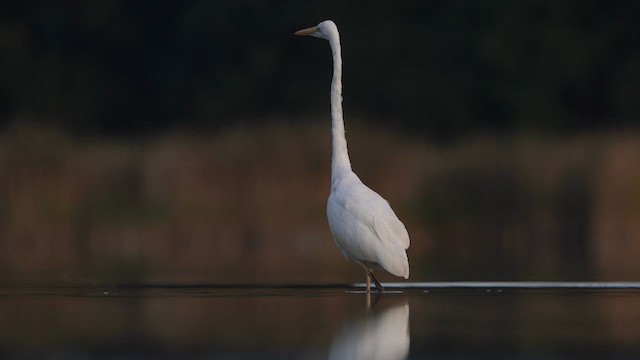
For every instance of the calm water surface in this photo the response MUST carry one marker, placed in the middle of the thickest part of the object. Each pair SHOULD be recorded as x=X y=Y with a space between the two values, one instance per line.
x=318 y=322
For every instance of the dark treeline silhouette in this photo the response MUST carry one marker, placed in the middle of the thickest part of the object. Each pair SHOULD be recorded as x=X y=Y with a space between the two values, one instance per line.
x=441 y=68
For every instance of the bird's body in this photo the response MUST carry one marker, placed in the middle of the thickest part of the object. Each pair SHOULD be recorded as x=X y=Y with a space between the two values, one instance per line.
x=362 y=223
x=365 y=227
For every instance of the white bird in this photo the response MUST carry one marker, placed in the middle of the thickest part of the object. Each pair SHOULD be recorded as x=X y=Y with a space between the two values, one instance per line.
x=362 y=223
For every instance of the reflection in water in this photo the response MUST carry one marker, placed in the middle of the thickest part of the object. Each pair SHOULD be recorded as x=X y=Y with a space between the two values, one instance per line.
x=376 y=335
x=271 y=323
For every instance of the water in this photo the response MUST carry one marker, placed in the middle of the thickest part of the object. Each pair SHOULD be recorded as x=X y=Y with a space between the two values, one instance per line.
x=412 y=321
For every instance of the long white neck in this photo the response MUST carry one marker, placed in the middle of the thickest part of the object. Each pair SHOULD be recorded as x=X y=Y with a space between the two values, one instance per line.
x=340 y=163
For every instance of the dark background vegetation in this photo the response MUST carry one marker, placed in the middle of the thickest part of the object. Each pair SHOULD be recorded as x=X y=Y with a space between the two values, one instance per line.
x=438 y=68
x=188 y=141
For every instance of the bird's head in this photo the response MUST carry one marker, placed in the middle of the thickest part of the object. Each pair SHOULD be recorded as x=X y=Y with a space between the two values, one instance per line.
x=324 y=30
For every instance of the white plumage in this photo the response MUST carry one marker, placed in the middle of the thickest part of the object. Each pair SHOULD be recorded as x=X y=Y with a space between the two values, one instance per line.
x=363 y=225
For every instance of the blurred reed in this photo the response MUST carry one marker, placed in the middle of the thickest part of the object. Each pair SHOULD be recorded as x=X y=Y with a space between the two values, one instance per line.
x=247 y=204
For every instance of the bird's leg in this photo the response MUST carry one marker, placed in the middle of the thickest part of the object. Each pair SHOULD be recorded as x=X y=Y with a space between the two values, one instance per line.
x=367 y=273
x=368 y=283
x=375 y=281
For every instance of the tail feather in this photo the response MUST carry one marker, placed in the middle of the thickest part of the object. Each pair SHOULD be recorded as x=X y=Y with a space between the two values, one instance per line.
x=396 y=262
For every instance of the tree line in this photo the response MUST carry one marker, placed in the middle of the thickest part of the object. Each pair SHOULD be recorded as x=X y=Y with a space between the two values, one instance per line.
x=438 y=69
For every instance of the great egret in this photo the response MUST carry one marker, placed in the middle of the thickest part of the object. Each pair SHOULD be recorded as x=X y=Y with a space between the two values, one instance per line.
x=362 y=223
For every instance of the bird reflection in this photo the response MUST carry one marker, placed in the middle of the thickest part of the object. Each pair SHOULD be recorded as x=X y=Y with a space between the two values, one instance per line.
x=376 y=335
